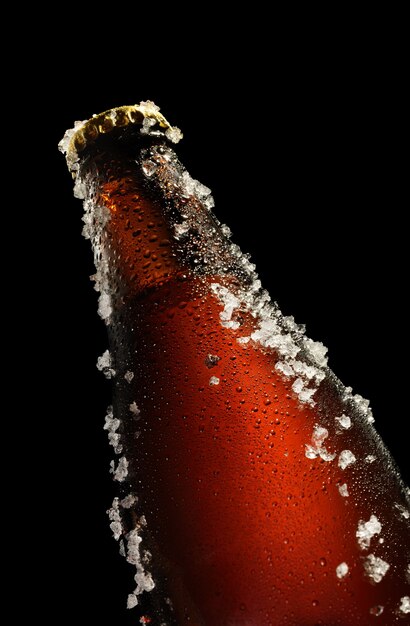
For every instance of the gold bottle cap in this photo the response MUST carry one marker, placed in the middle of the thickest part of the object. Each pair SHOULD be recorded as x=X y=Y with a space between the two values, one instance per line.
x=145 y=114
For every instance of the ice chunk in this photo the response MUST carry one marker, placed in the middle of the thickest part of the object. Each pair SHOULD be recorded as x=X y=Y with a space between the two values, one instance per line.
x=267 y=332
x=319 y=435
x=298 y=386
x=149 y=107
x=325 y=455
x=346 y=458
x=181 y=229
x=115 y=518
x=114 y=441
x=364 y=407
x=104 y=306
x=375 y=567
x=305 y=396
x=370 y=458
x=111 y=425
x=128 y=501
x=115 y=505
x=104 y=360
x=310 y=452
x=307 y=372
x=133 y=542
x=402 y=510
x=317 y=449
x=211 y=360
x=95 y=219
x=147 y=124
x=230 y=302
x=63 y=146
x=142 y=577
x=344 y=421
x=132 y=601
x=243 y=340
x=192 y=187
x=146 y=557
x=173 y=134
x=148 y=167
x=144 y=581
x=297 y=330
x=285 y=368
x=65 y=141
x=214 y=380
x=317 y=351
x=405 y=604
x=226 y=230
x=342 y=570
x=80 y=189
x=366 y=531
x=360 y=403
x=134 y=410
x=343 y=490
x=129 y=376
x=304 y=393
x=104 y=365
x=269 y=335
x=121 y=471
x=116 y=527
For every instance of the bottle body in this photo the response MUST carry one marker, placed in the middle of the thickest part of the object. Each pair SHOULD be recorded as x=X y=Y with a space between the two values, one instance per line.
x=255 y=490
x=240 y=510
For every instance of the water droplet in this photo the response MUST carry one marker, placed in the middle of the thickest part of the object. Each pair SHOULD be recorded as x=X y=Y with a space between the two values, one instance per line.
x=377 y=610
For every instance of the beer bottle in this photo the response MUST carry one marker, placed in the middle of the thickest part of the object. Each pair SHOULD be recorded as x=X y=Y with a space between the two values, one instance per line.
x=254 y=489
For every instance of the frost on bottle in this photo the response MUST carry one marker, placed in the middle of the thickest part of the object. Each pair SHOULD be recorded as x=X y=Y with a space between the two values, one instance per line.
x=253 y=489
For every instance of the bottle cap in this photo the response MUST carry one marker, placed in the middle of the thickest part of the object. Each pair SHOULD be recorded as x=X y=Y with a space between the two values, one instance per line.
x=145 y=114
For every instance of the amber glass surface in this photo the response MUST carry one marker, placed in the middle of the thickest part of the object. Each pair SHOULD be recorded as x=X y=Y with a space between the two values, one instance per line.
x=244 y=528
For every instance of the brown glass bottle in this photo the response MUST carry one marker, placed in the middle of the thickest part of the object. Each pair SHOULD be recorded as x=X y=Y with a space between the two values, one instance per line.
x=254 y=489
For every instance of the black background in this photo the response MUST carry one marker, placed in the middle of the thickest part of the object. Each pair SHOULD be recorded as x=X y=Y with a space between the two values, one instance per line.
x=305 y=161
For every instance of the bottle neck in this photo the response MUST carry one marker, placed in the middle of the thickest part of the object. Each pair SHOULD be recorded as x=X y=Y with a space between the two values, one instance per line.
x=130 y=233
x=148 y=220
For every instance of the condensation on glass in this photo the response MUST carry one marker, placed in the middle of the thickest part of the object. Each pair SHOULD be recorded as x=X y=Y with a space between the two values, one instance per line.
x=253 y=488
